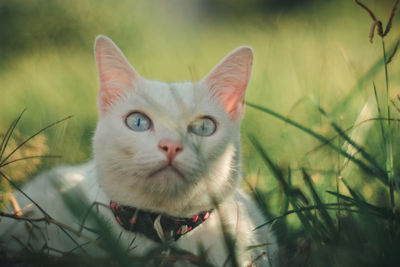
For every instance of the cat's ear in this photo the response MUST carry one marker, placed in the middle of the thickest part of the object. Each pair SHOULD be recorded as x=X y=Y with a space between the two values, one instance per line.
x=228 y=80
x=116 y=75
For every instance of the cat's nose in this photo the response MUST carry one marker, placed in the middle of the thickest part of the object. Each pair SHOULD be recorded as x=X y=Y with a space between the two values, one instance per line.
x=170 y=147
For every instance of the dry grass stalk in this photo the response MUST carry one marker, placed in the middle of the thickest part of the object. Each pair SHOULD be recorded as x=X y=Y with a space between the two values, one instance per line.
x=392 y=13
x=20 y=157
x=395 y=105
x=377 y=24
x=254 y=262
x=371 y=14
x=393 y=53
x=15 y=205
x=372 y=31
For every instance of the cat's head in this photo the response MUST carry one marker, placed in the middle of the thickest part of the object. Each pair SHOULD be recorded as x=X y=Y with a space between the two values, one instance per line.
x=169 y=147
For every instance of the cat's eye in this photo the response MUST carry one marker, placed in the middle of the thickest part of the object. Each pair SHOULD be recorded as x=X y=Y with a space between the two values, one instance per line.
x=203 y=127
x=138 y=122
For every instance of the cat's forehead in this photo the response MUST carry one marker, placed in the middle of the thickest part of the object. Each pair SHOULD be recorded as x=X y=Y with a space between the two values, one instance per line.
x=164 y=93
x=174 y=97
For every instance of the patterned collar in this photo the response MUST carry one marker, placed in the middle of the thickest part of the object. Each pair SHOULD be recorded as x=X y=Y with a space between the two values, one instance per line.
x=156 y=226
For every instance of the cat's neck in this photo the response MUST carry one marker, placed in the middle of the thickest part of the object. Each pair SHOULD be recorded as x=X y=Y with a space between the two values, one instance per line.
x=185 y=204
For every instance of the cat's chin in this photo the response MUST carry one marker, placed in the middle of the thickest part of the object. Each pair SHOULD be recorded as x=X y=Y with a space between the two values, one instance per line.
x=167 y=173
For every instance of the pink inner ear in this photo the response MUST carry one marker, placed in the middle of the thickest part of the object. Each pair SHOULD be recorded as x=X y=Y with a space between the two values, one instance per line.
x=111 y=89
x=107 y=98
x=228 y=80
x=116 y=75
x=233 y=104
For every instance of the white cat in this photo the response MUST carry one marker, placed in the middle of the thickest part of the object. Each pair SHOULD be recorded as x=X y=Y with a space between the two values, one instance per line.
x=167 y=156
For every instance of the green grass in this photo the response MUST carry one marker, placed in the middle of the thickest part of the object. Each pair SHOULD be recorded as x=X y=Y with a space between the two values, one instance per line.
x=314 y=71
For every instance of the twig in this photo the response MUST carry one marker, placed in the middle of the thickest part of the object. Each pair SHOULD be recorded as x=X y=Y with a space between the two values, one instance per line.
x=27 y=214
x=45 y=246
x=23 y=218
x=80 y=246
x=15 y=205
x=46 y=219
x=131 y=247
x=22 y=192
x=97 y=204
x=62 y=226
x=257 y=259
x=21 y=243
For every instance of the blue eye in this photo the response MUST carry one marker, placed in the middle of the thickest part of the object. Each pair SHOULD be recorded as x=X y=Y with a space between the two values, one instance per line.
x=203 y=127
x=138 y=122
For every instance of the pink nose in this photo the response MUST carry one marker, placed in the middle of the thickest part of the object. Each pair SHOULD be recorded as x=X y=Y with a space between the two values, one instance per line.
x=170 y=147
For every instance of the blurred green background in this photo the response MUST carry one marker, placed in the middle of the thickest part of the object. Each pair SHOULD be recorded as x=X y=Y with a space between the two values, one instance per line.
x=306 y=52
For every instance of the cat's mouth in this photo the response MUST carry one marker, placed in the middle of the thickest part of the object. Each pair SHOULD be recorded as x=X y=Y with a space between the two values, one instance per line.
x=169 y=168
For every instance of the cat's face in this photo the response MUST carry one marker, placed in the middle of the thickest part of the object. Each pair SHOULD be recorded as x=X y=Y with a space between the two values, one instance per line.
x=168 y=147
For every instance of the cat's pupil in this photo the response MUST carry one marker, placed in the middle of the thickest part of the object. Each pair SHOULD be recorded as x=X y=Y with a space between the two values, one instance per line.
x=138 y=122
x=203 y=127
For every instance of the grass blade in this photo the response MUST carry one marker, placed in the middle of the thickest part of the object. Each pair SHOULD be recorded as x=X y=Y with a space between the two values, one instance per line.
x=31 y=137
x=362 y=82
x=322 y=139
x=366 y=207
x=378 y=107
x=324 y=214
x=295 y=197
x=31 y=157
x=341 y=132
x=9 y=133
x=330 y=206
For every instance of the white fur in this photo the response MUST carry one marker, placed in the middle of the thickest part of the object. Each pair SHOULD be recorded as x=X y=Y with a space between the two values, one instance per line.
x=124 y=160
